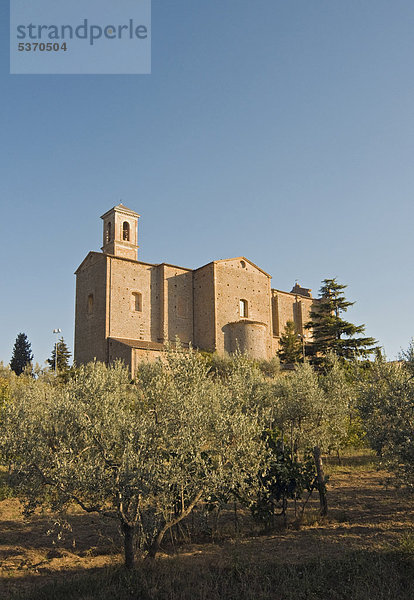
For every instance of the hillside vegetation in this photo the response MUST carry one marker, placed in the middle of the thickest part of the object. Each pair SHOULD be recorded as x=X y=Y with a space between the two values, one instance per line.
x=208 y=478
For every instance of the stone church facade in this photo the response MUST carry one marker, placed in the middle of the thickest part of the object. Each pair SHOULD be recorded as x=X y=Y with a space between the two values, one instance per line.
x=129 y=309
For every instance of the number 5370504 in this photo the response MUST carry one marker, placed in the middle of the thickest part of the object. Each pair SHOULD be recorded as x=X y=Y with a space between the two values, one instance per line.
x=41 y=47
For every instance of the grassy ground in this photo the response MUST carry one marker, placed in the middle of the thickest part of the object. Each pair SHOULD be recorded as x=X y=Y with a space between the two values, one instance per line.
x=363 y=550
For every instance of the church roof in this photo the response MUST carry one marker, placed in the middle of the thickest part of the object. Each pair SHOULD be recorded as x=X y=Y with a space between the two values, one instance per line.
x=235 y=258
x=143 y=345
x=121 y=208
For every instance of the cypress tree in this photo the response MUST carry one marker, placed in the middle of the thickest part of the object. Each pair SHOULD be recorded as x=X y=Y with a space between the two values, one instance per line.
x=22 y=354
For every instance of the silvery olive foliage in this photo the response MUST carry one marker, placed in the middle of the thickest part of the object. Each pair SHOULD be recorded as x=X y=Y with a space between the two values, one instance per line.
x=387 y=407
x=340 y=416
x=311 y=409
x=299 y=407
x=310 y=415
x=407 y=356
x=145 y=453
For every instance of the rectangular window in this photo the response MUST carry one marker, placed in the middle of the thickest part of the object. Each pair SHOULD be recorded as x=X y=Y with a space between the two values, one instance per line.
x=137 y=302
x=90 y=304
x=243 y=308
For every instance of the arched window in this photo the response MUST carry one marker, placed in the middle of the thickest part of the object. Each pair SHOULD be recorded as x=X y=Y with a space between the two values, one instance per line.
x=243 y=308
x=108 y=232
x=125 y=231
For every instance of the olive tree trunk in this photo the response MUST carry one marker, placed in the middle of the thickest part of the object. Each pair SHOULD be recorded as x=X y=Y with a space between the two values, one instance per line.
x=129 y=552
x=320 y=480
x=155 y=546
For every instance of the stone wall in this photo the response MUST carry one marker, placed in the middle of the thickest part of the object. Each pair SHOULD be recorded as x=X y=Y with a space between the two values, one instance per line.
x=204 y=308
x=177 y=297
x=290 y=307
x=235 y=280
x=143 y=306
x=91 y=299
x=127 y=281
x=130 y=356
x=119 y=351
x=249 y=337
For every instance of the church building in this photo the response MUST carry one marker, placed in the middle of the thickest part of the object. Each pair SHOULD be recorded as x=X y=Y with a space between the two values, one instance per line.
x=129 y=309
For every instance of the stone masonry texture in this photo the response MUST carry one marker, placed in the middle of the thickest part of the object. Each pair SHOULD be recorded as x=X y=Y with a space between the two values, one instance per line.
x=127 y=309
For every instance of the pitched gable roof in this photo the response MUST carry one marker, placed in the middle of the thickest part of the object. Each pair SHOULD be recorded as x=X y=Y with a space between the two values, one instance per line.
x=237 y=258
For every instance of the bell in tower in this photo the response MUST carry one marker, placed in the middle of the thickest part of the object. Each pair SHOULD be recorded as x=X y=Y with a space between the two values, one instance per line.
x=120 y=232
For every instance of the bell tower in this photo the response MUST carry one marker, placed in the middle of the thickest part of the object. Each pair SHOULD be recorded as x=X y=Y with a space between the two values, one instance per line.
x=120 y=232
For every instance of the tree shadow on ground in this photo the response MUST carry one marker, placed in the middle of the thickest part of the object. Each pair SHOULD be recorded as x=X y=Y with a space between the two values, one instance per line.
x=366 y=520
x=361 y=575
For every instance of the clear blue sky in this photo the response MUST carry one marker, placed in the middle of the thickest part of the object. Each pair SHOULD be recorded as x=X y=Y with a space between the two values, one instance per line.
x=278 y=130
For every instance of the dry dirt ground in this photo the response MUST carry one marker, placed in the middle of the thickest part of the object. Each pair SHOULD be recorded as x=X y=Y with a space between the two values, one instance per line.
x=364 y=514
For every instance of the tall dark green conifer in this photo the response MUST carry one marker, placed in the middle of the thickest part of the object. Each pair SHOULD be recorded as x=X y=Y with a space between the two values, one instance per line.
x=333 y=334
x=290 y=351
x=22 y=354
x=63 y=356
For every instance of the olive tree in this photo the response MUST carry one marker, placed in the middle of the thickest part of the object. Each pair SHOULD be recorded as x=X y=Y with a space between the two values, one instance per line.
x=386 y=404
x=143 y=453
x=300 y=418
x=311 y=412
x=340 y=416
